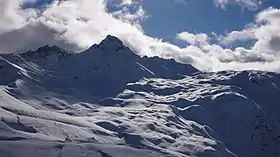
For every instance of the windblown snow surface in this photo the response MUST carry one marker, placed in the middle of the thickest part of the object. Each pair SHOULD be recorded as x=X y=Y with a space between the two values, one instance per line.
x=109 y=102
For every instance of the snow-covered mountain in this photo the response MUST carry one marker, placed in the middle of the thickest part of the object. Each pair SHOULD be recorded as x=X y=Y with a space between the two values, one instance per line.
x=109 y=102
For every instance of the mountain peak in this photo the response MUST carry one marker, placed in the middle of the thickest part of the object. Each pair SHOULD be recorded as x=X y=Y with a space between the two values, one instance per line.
x=110 y=38
x=50 y=48
x=46 y=51
x=111 y=42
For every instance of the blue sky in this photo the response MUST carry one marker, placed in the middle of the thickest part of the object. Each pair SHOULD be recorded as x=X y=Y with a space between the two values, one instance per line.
x=196 y=16
x=166 y=18
x=212 y=35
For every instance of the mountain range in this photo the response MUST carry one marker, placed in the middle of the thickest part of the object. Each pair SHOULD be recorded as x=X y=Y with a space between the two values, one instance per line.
x=109 y=102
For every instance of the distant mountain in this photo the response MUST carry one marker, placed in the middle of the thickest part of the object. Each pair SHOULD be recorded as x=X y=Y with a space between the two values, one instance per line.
x=109 y=102
x=47 y=51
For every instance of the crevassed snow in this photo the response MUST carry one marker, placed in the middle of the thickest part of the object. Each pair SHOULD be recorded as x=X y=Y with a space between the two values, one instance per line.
x=109 y=102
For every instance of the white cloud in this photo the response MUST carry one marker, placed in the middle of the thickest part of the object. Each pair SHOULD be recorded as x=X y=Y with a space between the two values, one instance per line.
x=250 y=4
x=125 y=15
x=77 y=24
x=73 y=22
x=128 y=2
x=244 y=35
x=194 y=39
x=266 y=32
x=263 y=55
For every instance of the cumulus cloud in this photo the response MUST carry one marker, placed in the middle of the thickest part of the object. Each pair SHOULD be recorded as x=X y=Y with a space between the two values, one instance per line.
x=77 y=24
x=234 y=36
x=67 y=23
x=264 y=54
x=194 y=39
x=266 y=32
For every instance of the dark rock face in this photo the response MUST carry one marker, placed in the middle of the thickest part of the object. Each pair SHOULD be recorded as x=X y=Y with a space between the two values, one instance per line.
x=45 y=52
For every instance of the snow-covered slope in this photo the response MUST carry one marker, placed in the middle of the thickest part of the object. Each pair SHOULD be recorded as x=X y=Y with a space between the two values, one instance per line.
x=109 y=102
